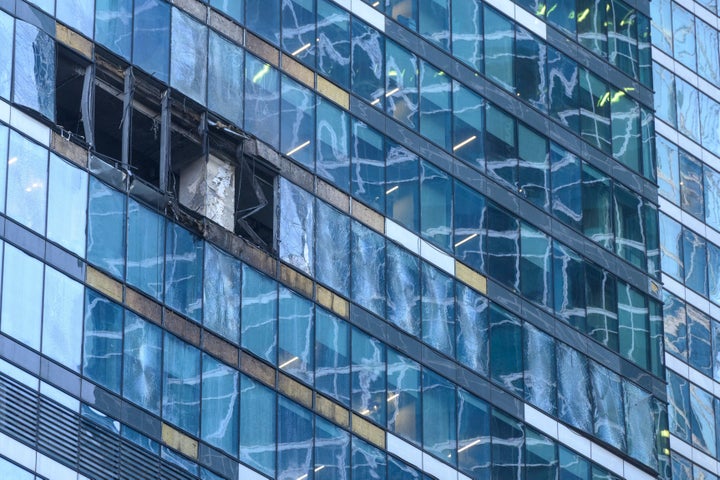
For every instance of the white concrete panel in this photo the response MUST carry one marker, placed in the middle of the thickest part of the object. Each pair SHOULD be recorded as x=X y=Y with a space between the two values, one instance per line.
x=244 y=473
x=663 y=58
x=662 y=128
x=673 y=286
x=685 y=73
x=4 y=112
x=20 y=453
x=704 y=460
x=677 y=366
x=700 y=380
x=689 y=145
x=20 y=375
x=697 y=301
x=505 y=6
x=608 y=460
x=669 y=208
x=435 y=467
x=712 y=235
x=53 y=470
x=693 y=223
x=29 y=126
x=404 y=450
x=634 y=473
x=531 y=22
x=573 y=440
x=403 y=236
x=437 y=257
x=369 y=14
x=681 y=447
x=542 y=422
x=714 y=311
x=59 y=396
x=344 y=3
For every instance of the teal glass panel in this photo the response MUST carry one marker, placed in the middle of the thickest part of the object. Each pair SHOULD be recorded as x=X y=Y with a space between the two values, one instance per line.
x=333 y=56
x=634 y=325
x=473 y=342
x=402 y=186
x=572 y=465
x=332 y=356
x=22 y=297
x=263 y=18
x=566 y=186
x=711 y=190
x=297 y=226
x=7 y=24
x=151 y=38
x=332 y=451
x=533 y=167
x=368 y=268
x=181 y=384
x=435 y=114
x=467 y=32
x=332 y=255
x=142 y=359
x=434 y=22
x=102 y=349
x=468 y=229
x=298 y=30
x=369 y=397
x=622 y=38
x=531 y=80
x=700 y=348
x=106 y=228
x=113 y=25
x=367 y=461
x=403 y=292
x=608 y=415
x=405 y=12
x=402 y=84
x=501 y=146
x=295 y=440
x=499 y=49
x=34 y=69
x=702 y=420
x=262 y=97
x=714 y=272
x=506 y=362
x=183 y=271
x=676 y=340
x=439 y=416
x=234 y=8
x=536 y=265
x=146 y=249
x=595 y=104
x=678 y=391
x=561 y=14
x=220 y=405
x=574 y=398
x=367 y=172
x=541 y=461
x=258 y=418
x=563 y=92
x=436 y=205
x=188 y=57
x=539 y=369
x=630 y=235
x=473 y=454
x=259 y=314
x=221 y=293
x=641 y=425
x=62 y=319
x=333 y=144
x=569 y=286
x=592 y=26
x=502 y=247
x=438 y=309
x=403 y=397
x=468 y=113
x=225 y=78
x=367 y=67
x=297 y=122
x=67 y=204
x=296 y=336
x=626 y=136
x=601 y=302
x=508 y=440
x=27 y=172
x=597 y=206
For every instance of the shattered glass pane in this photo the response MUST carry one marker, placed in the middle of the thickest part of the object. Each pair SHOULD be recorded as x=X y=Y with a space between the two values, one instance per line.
x=34 y=75
x=540 y=375
x=438 y=309
x=640 y=425
x=403 y=292
x=188 y=67
x=332 y=253
x=297 y=220
x=472 y=329
x=573 y=388
x=368 y=268
x=608 y=414
x=6 y=38
x=225 y=78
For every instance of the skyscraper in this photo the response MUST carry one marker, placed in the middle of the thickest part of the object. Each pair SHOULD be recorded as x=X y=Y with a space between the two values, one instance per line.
x=344 y=239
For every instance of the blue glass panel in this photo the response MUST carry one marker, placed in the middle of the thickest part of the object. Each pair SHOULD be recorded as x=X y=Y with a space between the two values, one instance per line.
x=572 y=465
x=630 y=235
x=710 y=123
x=298 y=30
x=678 y=391
x=569 y=285
x=3 y=160
x=695 y=261
x=401 y=84
x=671 y=243
x=641 y=425
x=332 y=255
x=332 y=451
x=27 y=171
x=332 y=356
x=473 y=344
x=333 y=141
x=536 y=257
x=67 y=204
x=369 y=397
x=438 y=309
x=664 y=84
x=566 y=186
x=467 y=32
x=297 y=122
x=403 y=292
x=34 y=72
x=683 y=36
x=368 y=462
x=146 y=249
x=295 y=441
x=62 y=319
x=533 y=167
x=259 y=314
x=499 y=48
x=225 y=76
x=573 y=388
x=221 y=293
x=220 y=403
x=258 y=417
x=508 y=440
x=102 y=350
x=78 y=14
x=714 y=272
x=296 y=336
x=435 y=114
x=368 y=60
x=468 y=117
x=22 y=297
x=501 y=146
x=436 y=205
x=262 y=99
x=106 y=228
x=333 y=56
x=368 y=165
x=113 y=25
x=668 y=170
x=188 y=60
x=712 y=196
x=181 y=384
x=10 y=470
x=473 y=452
x=688 y=113
x=435 y=22
x=151 y=37
x=541 y=461
x=403 y=397
x=539 y=364
x=707 y=51
x=601 y=300
x=626 y=135
x=142 y=360
x=676 y=341
x=263 y=18
x=608 y=415
x=702 y=419
x=439 y=416
x=662 y=30
x=506 y=350
x=234 y=8
x=6 y=61
x=468 y=229
x=297 y=226
x=563 y=91
x=502 y=245
x=368 y=268
x=699 y=341
x=633 y=320
x=183 y=270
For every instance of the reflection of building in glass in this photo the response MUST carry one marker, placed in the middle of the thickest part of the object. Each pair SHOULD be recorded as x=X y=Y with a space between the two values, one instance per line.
x=335 y=239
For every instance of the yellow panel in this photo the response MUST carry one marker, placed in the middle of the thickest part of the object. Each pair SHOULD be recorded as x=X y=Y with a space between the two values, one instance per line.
x=257 y=369
x=143 y=305
x=333 y=92
x=73 y=40
x=298 y=72
x=471 y=277
x=71 y=151
x=179 y=441
x=102 y=283
x=368 y=216
x=261 y=48
x=368 y=431
x=296 y=280
x=295 y=390
x=332 y=411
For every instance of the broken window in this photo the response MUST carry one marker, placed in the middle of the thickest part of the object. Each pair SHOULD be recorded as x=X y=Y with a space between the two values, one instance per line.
x=34 y=72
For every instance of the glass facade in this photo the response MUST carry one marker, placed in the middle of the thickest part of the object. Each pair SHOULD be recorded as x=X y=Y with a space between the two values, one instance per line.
x=324 y=239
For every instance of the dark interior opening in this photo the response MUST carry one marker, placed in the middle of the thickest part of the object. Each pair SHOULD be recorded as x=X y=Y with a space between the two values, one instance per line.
x=69 y=92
